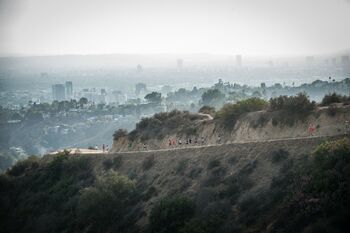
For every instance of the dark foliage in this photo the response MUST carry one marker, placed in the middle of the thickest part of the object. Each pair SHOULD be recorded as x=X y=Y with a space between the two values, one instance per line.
x=114 y=163
x=279 y=155
x=212 y=97
x=207 y=110
x=148 y=163
x=171 y=214
x=165 y=123
x=120 y=133
x=334 y=98
x=290 y=109
x=230 y=113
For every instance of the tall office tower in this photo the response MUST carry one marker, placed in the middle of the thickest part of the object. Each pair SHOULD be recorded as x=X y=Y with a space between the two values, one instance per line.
x=140 y=88
x=139 y=68
x=239 y=60
x=58 y=92
x=69 y=89
x=180 y=63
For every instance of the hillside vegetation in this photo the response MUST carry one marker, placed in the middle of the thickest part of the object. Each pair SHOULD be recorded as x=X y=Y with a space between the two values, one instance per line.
x=283 y=186
x=246 y=120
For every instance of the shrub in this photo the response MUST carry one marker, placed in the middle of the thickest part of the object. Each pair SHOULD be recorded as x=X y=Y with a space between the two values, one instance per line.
x=332 y=110
x=21 y=167
x=165 y=123
x=207 y=110
x=320 y=192
x=113 y=163
x=235 y=185
x=194 y=226
x=291 y=108
x=230 y=113
x=104 y=207
x=170 y=214
x=195 y=172
x=299 y=104
x=334 y=98
x=279 y=155
x=181 y=166
x=120 y=133
x=213 y=163
x=148 y=162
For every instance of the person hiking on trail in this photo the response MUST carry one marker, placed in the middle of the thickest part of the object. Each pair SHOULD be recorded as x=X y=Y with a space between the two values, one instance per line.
x=311 y=130
x=186 y=141
x=190 y=140
x=103 y=147
x=180 y=142
x=195 y=140
x=174 y=142
x=144 y=146
x=169 y=142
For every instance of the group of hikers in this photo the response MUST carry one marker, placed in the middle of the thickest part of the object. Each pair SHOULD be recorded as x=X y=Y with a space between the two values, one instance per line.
x=189 y=141
x=177 y=142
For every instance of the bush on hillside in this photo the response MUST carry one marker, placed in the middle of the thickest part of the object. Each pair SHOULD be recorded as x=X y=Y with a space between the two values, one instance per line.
x=207 y=110
x=292 y=104
x=120 y=133
x=320 y=193
x=334 y=98
x=22 y=166
x=165 y=123
x=148 y=162
x=291 y=108
x=104 y=207
x=170 y=214
x=230 y=113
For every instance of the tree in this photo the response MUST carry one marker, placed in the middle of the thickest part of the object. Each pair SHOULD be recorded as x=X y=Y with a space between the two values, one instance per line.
x=119 y=134
x=104 y=207
x=171 y=214
x=207 y=110
x=212 y=97
x=83 y=101
x=230 y=113
x=154 y=97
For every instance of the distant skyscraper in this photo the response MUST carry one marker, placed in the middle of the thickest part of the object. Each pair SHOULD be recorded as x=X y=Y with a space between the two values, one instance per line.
x=139 y=68
x=58 y=92
x=180 y=63
x=239 y=60
x=140 y=88
x=69 y=89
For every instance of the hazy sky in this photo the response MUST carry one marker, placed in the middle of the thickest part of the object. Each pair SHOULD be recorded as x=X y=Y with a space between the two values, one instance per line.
x=263 y=27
